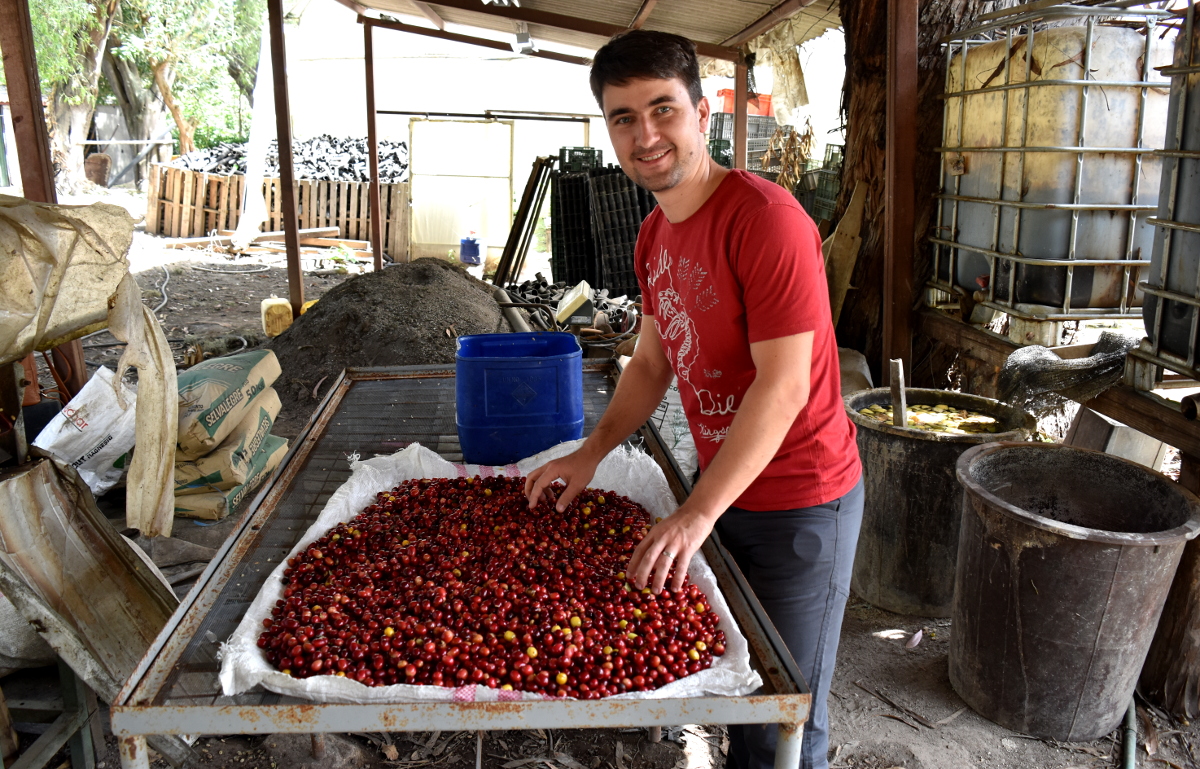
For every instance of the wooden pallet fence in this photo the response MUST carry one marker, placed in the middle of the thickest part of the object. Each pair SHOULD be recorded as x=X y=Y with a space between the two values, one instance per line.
x=192 y=204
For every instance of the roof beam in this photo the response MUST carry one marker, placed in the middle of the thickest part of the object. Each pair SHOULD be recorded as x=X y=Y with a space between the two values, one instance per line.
x=570 y=23
x=359 y=9
x=781 y=12
x=643 y=14
x=430 y=14
x=480 y=41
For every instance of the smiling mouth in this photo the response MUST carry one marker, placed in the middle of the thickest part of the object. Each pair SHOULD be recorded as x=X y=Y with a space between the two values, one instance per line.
x=652 y=158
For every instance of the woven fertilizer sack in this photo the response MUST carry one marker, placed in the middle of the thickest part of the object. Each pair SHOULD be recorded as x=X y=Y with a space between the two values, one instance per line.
x=228 y=465
x=215 y=505
x=214 y=396
x=94 y=432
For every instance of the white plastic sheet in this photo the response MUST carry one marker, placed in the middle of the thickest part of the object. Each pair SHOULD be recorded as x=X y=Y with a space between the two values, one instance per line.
x=150 y=499
x=59 y=265
x=626 y=471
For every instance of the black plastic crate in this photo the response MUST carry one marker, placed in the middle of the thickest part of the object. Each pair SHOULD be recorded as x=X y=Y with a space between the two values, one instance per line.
x=771 y=176
x=721 y=150
x=760 y=127
x=823 y=209
x=618 y=209
x=808 y=201
x=720 y=126
x=558 y=246
x=829 y=183
x=578 y=159
x=758 y=145
x=574 y=226
x=834 y=153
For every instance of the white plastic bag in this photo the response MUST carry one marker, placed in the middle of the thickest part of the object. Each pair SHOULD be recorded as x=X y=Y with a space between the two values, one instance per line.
x=625 y=471
x=94 y=432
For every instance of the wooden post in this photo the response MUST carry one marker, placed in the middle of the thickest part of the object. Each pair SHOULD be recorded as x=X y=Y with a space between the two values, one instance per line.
x=12 y=440
x=741 y=93
x=373 y=150
x=1170 y=677
x=287 y=174
x=25 y=100
x=900 y=180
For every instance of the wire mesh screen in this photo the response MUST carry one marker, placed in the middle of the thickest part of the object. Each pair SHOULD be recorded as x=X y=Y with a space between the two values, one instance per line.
x=376 y=416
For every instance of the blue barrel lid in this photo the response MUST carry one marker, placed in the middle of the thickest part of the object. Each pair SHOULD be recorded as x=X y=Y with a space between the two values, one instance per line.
x=544 y=344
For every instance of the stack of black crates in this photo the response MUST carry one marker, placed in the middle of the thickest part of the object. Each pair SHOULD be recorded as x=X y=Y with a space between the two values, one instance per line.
x=759 y=130
x=829 y=184
x=595 y=213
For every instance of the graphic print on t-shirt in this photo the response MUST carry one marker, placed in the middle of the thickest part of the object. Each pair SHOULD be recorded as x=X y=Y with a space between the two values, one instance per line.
x=678 y=332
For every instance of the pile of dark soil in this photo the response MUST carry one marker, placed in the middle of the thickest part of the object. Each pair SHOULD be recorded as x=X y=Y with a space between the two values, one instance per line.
x=406 y=315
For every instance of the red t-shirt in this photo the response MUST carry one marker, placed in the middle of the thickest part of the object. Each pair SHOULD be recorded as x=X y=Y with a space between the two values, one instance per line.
x=747 y=267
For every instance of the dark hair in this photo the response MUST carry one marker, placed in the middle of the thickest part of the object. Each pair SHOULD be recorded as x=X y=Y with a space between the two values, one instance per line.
x=643 y=54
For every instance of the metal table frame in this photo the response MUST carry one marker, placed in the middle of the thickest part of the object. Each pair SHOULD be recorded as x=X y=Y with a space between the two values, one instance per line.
x=144 y=707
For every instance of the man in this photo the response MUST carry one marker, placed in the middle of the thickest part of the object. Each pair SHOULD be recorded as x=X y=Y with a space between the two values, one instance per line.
x=736 y=307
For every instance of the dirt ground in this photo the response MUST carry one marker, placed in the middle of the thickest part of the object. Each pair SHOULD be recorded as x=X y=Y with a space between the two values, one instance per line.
x=891 y=706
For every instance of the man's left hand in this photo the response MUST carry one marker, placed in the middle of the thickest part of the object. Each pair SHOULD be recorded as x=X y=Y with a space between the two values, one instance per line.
x=673 y=541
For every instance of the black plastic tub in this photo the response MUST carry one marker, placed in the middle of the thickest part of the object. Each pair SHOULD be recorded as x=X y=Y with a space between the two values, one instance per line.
x=1065 y=559
x=909 y=540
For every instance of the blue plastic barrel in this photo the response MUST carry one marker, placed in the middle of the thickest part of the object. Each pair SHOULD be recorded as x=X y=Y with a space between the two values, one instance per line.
x=468 y=251
x=517 y=394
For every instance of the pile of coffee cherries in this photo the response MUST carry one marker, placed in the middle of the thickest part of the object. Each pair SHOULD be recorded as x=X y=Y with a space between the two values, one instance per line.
x=454 y=581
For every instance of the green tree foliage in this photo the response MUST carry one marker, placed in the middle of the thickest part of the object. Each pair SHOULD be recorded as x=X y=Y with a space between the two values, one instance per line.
x=183 y=45
x=241 y=52
x=61 y=38
x=200 y=56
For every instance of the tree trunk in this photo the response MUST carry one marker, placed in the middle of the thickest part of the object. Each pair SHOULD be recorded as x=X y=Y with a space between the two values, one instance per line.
x=72 y=105
x=244 y=77
x=865 y=104
x=163 y=78
x=143 y=116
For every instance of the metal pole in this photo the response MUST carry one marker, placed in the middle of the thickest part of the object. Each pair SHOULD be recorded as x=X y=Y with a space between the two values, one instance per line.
x=134 y=753
x=741 y=92
x=287 y=175
x=787 y=750
x=25 y=99
x=900 y=167
x=373 y=149
x=4 y=181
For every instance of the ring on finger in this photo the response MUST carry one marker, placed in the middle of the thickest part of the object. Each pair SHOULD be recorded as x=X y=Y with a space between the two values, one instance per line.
x=670 y=556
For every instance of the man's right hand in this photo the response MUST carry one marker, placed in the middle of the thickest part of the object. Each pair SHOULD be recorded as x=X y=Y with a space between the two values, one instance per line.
x=575 y=469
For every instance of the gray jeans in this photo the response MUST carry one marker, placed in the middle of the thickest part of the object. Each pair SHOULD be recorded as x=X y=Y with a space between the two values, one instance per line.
x=798 y=562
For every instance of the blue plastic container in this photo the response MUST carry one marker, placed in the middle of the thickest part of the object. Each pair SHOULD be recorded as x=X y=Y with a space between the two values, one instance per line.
x=517 y=394
x=468 y=251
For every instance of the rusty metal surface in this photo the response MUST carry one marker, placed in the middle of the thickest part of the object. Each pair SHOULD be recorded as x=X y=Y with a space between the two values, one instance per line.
x=77 y=567
x=900 y=187
x=175 y=689
x=306 y=717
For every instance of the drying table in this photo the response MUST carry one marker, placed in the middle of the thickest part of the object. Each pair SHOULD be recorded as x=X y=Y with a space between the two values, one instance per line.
x=175 y=688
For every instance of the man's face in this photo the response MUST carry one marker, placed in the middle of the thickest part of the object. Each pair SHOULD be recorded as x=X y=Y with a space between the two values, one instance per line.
x=656 y=131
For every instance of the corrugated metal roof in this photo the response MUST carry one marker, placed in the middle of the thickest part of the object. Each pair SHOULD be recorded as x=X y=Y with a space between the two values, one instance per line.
x=705 y=21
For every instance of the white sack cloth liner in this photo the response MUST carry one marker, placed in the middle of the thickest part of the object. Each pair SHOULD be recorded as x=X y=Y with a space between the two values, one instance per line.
x=626 y=471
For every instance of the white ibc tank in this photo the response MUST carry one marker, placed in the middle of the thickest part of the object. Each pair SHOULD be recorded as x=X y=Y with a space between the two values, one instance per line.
x=1112 y=118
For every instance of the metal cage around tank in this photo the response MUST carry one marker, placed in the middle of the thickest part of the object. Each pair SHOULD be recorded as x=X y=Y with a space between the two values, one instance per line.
x=1172 y=309
x=994 y=239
